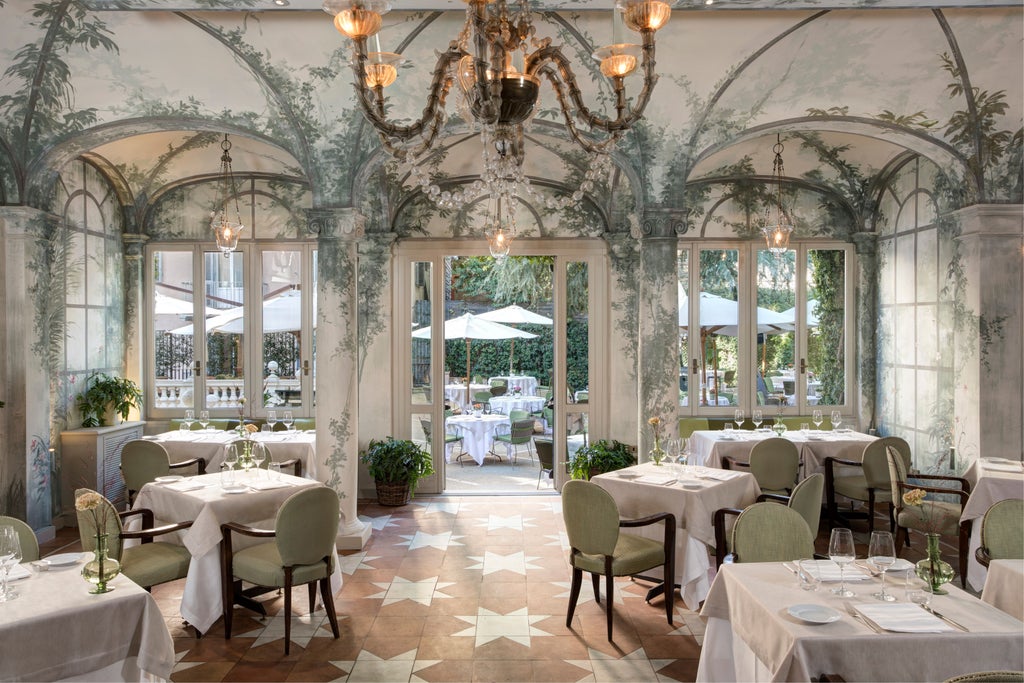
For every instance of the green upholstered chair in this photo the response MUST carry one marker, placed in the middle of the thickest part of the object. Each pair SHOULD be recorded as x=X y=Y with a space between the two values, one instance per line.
x=519 y=436
x=499 y=389
x=147 y=564
x=26 y=537
x=1002 y=537
x=516 y=415
x=689 y=425
x=765 y=532
x=453 y=437
x=805 y=499
x=989 y=677
x=143 y=461
x=948 y=513
x=304 y=423
x=866 y=481
x=775 y=464
x=300 y=552
x=482 y=397
x=597 y=546
x=545 y=457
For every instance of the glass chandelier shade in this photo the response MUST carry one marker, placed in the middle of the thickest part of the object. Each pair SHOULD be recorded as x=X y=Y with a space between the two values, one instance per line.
x=778 y=226
x=225 y=230
x=501 y=229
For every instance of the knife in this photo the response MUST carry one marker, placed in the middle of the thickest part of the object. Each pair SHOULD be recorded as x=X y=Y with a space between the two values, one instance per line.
x=863 y=619
x=946 y=619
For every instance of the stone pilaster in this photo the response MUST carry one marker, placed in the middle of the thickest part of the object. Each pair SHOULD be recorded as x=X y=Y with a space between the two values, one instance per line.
x=866 y=353
x=134 y=270
x=337 y=363
x=624 y=295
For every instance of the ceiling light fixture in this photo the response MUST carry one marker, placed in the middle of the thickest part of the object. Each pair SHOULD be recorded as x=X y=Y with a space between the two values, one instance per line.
x=501 y=230
x=778 y=229
x=498 y=63
x=226 y=230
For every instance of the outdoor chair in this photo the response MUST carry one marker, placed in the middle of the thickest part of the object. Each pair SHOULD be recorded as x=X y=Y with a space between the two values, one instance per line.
x=546 y=458
x=947 y=513
x=869 y=485
x=1002 y=535
x=763 y=532
x=26 y=537
x=483 y=397
x=498 y=389
x=449 y=438
x=516 y=415
x=597 y=546
x=519 y=436
x=143 y=461
x=300 y=552
x=775 y=464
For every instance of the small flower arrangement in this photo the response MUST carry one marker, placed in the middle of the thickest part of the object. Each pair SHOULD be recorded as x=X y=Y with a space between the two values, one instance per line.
x=516 y=390
x=934 y=518
x=658 y=429
x=94 y=503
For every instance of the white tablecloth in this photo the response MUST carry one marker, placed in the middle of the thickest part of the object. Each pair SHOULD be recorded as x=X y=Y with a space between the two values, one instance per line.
x=456 y=393
x=708 y=447
x=210 y=507
x=694 y=511
x=751 y=636
x=525 y=382
x=213 y=445
x=503 y=404
x=1003 y=587
x=988 y=487
x=55 y=629
x=477 y=433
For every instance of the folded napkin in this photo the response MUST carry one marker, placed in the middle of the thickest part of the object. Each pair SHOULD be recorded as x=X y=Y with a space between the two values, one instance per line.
x=186 y=485
x=267 y=484
x=903 y=617
x=657 y=479
x=19 y=571
x=829 y=571
x=179 y=436
x=273 y=437
x=719 y=475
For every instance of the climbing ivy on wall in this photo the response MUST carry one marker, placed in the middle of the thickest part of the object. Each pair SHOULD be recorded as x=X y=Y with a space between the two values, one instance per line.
x=829 y=275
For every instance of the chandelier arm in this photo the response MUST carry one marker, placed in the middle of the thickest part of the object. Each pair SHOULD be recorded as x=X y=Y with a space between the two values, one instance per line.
x=487 y=91
x=373 y=105
x=563 y=104
x=553 y=54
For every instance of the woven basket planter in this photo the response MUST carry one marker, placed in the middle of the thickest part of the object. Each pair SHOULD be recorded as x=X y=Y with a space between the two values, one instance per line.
x=392 y=494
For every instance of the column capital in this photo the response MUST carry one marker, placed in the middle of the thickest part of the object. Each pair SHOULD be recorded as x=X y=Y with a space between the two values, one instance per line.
x=133 y=245
x=341 y=222
x=866 y=243
x=662 y=222
x=991 y=221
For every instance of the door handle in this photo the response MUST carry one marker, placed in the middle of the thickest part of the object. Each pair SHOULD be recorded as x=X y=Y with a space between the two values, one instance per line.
x=693 y=367
x=305 y=367
x=803 y=366
x=198 y=368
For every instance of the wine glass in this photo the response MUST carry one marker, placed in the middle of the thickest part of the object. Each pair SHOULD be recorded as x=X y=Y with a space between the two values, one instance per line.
x=259 y=456
x=739 y=419
x=757 y=419
x=10 y=555
x=190 y=417
x=882 y=555
x=289 y=419
x=231 y=457
x=817 y=419
x=271 y=418
x=204 y=418
x=837 y=419
x=842 y=552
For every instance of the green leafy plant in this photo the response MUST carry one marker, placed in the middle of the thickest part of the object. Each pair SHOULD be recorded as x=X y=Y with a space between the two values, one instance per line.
x=601 y=456
x=397 y=461
x=104 y=390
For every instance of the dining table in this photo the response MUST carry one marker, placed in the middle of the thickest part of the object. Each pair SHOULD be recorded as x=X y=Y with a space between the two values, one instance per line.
x=212 y=445
x=57 y=630
x=527 y=384
x=692 y=494
x=1003 y=586
x=710 y=447
x=508 y=402
x=991 y=480
x=477 y=432
x=456 y=393
x=251 y=498
x=761 y=626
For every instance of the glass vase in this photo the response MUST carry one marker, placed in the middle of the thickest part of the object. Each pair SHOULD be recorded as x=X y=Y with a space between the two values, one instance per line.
x=933 y=569
x=101 y=568
x=656 y=454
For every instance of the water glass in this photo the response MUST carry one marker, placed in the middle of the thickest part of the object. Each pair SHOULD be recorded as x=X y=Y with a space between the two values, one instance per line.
x=918 y=590
x=266 y=428
x=275 y=470
x=808 y=574
x=728 y=428
x=183 y=427
x=837 y=419
x=804 y=428
x=227 y=474
x=204 y=418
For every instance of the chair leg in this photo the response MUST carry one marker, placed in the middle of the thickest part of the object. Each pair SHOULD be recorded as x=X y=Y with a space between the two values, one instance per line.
x=287 y=609
x=670 y=587
x=596 y=580
x=574 y=594
x=325 y=594
x=312 y=596
x=964 y=542
x=898 y=537
x=871 y=511
x=609 y=602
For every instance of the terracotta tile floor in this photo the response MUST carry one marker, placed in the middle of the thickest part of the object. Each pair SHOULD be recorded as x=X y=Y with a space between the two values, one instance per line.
x=471 y=588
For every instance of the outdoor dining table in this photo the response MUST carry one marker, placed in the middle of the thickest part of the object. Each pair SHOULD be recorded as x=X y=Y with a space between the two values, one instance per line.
x=991 y=480
x=710 y=447
x=213 y=444
x=56 y=630
x=456 y=393
x=752 y=633
x=204 y=500
x=1003 y=587
x=527 y=384
x=506 y=403
x=692 y=494
x=477 y=432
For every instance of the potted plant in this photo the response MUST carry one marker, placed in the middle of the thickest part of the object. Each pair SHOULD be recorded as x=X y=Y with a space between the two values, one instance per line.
x=396 y=466
x=105 y=392
x=599 y=457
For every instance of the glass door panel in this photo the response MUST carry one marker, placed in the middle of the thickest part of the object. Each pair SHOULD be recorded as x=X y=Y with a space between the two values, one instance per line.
x=826 y=327
x=776 y=328
x=720 y=325
x=281 y=287
x=577 y=356
x=172 y=309
x=225 y=332
x=684 y=326
x=420 y=284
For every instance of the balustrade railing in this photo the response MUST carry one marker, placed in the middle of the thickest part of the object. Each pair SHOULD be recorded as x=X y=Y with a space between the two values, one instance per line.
x=220 y=393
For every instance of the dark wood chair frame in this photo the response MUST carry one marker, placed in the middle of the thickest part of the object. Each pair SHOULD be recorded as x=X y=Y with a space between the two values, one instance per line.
x=833 y=508
x=964 y=530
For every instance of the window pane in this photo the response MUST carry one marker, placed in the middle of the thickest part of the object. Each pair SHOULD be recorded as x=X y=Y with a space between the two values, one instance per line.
x=420 y=316
x=577 y=332
x=225 y=338
x=719 y=327
x=776 y=329
x=282 y=328
x=312 y=362
x=172 y=310
x=684 y=327
x=826 y=326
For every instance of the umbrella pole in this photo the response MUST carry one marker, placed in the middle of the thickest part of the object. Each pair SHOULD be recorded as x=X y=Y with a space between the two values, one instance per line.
x=703 y=367
x=468 y=402
x=511 y=353
x=714 y=367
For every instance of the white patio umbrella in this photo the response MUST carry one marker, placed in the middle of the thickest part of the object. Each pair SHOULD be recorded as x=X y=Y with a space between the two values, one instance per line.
x=468 y=326
x=169 y=305
x=281 y=313
x=515 y=315
x=812 y=316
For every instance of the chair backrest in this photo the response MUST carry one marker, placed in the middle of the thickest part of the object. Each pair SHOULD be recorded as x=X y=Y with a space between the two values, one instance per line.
x=876 y=462
x=806 y=500
x=522 y=431
x=989 y=677
x=774 y=463
x=87 y=524
x=498 y=389
x=545 y=453
x=306 y=527
x=482 y=397
x=1002 y=534
x=142 y=462
x=767 y=532
x=591 y=517
x=516 y=415
x=26 y=537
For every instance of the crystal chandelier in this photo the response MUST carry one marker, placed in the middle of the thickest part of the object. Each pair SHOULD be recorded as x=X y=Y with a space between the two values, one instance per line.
x=777 y=229
x=501 y=230
x=498 y=64
x=226 y=230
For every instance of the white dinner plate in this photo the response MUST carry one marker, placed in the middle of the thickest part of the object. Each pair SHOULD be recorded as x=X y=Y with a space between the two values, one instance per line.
x=169 y=479
x=628 y=475
x=727 y=438
x=814 y=614
x=63 y=559
x=234 y=488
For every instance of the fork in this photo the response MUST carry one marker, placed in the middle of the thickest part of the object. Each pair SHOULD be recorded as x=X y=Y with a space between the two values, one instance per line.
x=860 y=617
